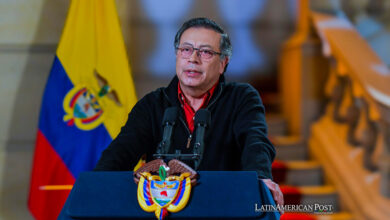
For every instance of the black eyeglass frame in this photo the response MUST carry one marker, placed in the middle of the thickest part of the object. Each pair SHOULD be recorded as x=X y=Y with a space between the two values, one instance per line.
x=198 y=52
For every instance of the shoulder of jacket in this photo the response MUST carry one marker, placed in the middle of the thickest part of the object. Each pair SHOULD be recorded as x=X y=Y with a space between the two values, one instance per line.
x=152 y=97
x=240 y=87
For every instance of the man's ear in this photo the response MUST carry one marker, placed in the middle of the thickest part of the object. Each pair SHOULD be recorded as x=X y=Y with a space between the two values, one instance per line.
x=224 y=64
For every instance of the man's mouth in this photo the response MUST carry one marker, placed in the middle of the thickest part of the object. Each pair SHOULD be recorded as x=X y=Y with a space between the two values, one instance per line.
x=192 y=72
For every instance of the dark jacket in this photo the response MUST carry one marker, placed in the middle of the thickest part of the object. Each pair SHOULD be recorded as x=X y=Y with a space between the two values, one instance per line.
x=235 y=140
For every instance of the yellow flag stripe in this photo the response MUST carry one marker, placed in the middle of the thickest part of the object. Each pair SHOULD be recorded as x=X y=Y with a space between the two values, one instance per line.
x=92 y=41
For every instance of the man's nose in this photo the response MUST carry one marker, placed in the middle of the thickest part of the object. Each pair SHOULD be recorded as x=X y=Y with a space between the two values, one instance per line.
x=195 y=58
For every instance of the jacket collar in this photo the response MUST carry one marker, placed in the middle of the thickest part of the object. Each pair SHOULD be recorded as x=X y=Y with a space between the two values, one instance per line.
x=171 y=90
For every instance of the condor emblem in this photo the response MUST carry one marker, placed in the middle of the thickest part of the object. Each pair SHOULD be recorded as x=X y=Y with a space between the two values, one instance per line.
x=160 y=194
x=82 y=105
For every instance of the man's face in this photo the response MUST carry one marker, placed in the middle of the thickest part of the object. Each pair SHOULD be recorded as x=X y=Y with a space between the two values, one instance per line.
x=196 y=72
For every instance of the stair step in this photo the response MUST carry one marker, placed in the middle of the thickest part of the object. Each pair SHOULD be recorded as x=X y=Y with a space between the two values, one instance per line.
x=317 y=190
x=277 y=125
x=309 y=195
x=309 y=216
x=297 y=173
x=289 y=147
x=336 y=216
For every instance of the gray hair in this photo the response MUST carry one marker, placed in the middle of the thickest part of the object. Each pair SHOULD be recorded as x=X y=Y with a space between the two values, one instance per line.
x=224 y=45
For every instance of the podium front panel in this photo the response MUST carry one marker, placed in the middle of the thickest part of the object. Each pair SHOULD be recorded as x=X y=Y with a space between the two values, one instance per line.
x=110 y=195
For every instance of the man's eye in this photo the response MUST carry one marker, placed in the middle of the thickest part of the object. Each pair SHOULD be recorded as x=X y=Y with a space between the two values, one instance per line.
x=207 y=52
x=186 y=49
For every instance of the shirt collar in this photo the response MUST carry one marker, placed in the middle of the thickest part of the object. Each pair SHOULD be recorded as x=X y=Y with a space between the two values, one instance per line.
x=206 y=97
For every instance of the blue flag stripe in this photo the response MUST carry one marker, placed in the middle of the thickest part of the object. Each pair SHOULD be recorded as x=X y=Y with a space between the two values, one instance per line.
x=79 y=149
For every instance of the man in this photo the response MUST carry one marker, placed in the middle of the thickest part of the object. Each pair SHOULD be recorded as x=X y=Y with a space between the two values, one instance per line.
x=236 y=138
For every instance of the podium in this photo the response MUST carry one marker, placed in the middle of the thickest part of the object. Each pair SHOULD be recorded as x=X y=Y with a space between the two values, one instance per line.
x=218 y=194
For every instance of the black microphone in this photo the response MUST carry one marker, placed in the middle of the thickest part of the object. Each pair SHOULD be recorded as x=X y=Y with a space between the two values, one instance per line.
x=169 y=121
x=202 y=120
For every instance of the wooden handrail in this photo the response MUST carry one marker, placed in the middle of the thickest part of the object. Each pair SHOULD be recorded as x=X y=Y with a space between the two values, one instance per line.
x=351 y=139
x=361 y=63
x=361 y=73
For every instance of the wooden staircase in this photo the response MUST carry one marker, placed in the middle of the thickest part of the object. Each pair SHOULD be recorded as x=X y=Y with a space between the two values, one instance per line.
x=300 y=177
x=334 y=91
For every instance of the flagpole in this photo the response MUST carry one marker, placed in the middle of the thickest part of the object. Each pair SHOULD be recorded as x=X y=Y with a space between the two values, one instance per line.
x=56 y=187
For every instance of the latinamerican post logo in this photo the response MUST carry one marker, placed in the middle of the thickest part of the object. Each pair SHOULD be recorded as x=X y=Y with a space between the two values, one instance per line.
x=309 y=208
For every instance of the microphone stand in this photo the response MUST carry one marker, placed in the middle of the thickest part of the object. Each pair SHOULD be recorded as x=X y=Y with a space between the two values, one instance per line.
x=202 y=120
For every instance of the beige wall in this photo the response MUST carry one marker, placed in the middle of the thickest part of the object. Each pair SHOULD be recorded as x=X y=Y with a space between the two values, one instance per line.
x=30 y=30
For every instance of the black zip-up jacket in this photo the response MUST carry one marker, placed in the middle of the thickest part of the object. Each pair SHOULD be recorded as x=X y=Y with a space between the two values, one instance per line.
x=235 y=140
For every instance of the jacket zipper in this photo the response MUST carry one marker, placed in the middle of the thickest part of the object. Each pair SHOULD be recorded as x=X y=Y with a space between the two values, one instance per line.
x=216 y=98
x=189 y=141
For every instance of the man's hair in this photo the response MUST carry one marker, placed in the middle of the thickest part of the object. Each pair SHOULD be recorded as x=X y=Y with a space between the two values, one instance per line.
x=224 y=45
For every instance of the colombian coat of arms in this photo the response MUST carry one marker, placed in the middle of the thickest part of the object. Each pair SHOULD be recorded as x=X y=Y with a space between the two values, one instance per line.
x=167 y=192
x=83 y=107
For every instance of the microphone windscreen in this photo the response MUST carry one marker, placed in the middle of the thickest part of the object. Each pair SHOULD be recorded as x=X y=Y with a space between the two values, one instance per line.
x=203 y=116
x=170 y=115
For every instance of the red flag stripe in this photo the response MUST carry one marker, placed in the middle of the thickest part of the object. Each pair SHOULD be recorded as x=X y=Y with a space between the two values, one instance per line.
x=48 y=169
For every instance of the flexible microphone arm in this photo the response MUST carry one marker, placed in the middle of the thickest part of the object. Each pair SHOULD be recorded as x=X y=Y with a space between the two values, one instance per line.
x=202 y=121
x=169 y=121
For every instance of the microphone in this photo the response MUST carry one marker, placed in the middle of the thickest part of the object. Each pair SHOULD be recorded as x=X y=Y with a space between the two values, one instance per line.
x=169 y=120
x=202 y=120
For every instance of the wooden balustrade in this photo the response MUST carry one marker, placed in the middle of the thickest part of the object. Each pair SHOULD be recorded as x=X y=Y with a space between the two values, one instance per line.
x=352 y=137
x=364 y=90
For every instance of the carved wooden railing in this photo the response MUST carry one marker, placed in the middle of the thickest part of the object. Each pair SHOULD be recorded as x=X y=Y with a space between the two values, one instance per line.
x=302 y=69
x=336 y=92
x=352 y=138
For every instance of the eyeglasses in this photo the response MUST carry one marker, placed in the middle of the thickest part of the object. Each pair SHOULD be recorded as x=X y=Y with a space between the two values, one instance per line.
x=205 y=54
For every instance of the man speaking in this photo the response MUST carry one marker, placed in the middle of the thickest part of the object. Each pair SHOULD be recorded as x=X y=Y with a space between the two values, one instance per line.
x=198 y=112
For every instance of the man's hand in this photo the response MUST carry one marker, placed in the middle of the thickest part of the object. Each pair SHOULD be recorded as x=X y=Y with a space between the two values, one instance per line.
x=276 y=192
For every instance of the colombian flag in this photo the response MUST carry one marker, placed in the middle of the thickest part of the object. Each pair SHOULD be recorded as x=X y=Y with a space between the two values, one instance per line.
x=88 y=95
